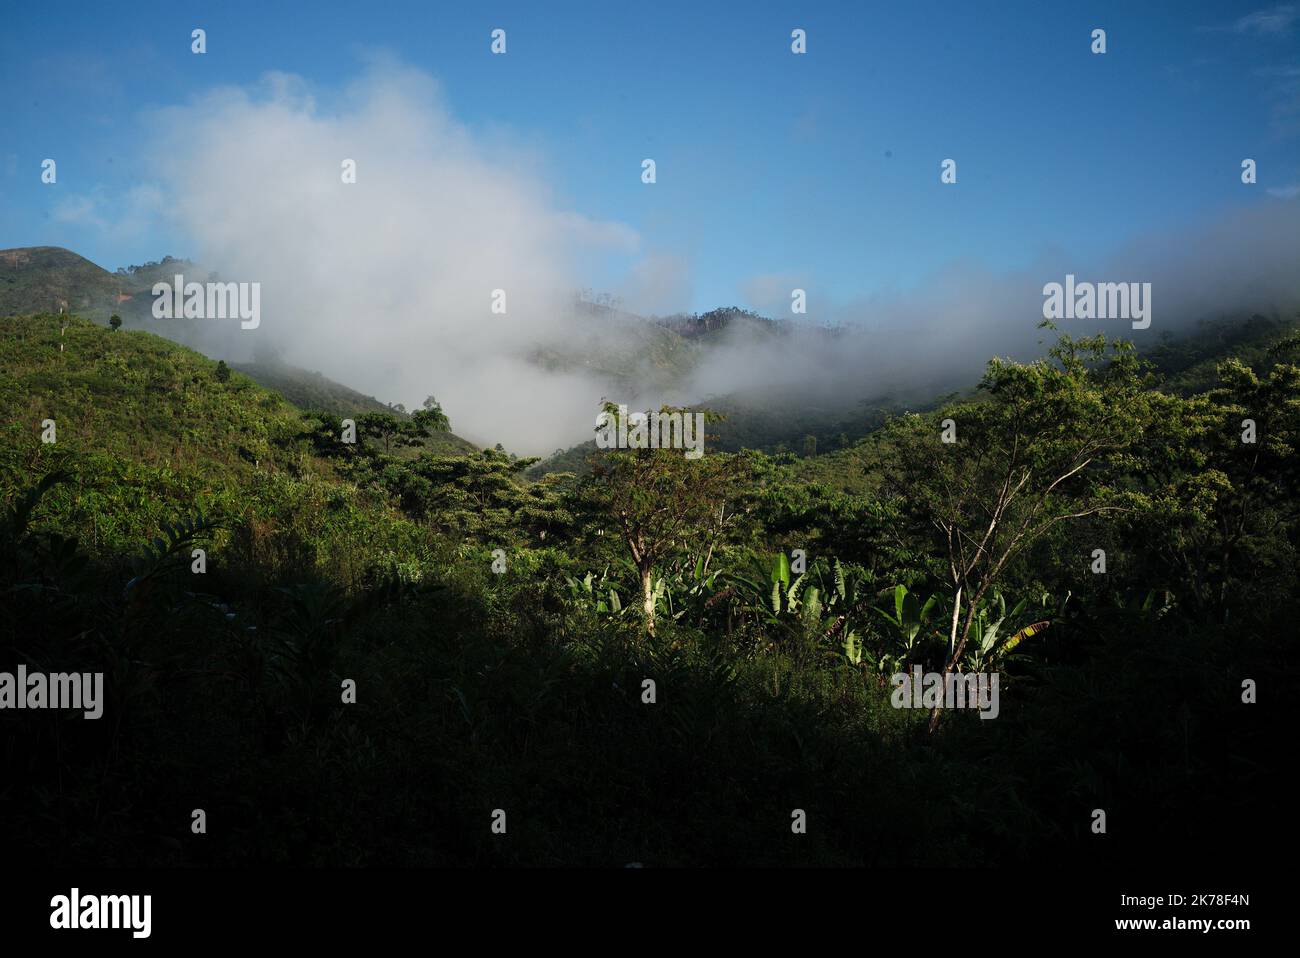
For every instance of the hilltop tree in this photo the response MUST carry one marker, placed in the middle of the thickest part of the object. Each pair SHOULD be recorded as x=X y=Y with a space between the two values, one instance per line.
x=223 y=371
x=425 y=422
x=428 y=419
x=115 y=321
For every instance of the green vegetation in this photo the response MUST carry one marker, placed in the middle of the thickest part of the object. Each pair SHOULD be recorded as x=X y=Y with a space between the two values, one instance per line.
x=501 y=631
x=49 y=279
x=319 y=394
x=45 y=278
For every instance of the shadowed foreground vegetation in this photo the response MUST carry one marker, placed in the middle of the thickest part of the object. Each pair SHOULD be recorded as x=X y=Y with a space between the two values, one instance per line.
x=522 y=689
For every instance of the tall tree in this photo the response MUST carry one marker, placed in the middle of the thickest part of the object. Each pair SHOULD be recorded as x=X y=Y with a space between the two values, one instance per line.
x=383 y=425
x=1043 y=446
x=661 y=501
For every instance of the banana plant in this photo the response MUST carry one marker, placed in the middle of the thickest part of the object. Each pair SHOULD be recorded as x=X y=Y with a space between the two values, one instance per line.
x=844 y=599
x=598 y=595
x=684 y=588
x=991 y=640
x=815 y=607
x=771 y=595
x=785 y=586
x=688 y=588
x=910 y=621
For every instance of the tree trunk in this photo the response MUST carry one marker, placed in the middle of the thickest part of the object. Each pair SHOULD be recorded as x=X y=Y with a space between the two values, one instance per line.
x=956 y=610
x=648 y=597
x=956 y=652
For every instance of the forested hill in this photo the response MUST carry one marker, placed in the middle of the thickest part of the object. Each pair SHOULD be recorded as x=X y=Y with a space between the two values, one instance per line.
x=824 y=434
x=41 y=279
x=49 y=279
x=634 y=354
x=154 y=431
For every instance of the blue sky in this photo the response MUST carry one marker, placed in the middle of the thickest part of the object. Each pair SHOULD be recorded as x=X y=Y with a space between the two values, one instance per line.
x=822 y=167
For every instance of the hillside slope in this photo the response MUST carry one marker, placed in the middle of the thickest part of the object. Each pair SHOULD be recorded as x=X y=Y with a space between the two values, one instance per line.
x=1183 y=365
x=153 y=435
x=44 y=279
x=839 y=458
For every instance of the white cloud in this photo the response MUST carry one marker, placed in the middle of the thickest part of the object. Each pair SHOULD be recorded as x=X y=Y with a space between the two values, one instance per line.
x=771 y=293
x=1274 y=21
x=387 y=284
x=659 y=284
x=79 y=210
x=119 y=219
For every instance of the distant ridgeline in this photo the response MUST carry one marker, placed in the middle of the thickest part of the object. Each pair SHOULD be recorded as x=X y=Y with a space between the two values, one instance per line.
x=636 y=355
x=49 y=279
